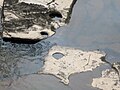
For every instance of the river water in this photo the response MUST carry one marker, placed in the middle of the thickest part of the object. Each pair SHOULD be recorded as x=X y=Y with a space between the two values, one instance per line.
x=95 y=24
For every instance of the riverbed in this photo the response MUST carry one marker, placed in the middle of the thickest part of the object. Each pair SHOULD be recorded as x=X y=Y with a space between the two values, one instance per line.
x=95 y=24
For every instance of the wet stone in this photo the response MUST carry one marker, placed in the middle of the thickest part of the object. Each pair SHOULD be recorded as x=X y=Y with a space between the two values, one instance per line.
x=110 y=79
x=64 y=61
x=34 y=20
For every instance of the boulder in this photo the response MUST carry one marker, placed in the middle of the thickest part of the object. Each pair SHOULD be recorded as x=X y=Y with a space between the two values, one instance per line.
x=34 y=20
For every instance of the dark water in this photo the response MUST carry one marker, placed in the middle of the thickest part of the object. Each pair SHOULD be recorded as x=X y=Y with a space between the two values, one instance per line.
x=22 y=59
x=95 y=24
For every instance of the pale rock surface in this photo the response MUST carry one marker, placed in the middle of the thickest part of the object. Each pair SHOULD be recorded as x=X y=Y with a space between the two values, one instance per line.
x=72 y=61
x=110 y=79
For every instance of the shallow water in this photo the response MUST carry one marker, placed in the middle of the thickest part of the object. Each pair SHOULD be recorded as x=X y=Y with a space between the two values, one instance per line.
x=95 y=24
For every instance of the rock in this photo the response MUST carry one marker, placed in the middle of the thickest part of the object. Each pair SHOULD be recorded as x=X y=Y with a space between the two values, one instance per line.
x=34 y=20
x=110 y=79
x=1 y=3
x=116 y=66
x=64 y=61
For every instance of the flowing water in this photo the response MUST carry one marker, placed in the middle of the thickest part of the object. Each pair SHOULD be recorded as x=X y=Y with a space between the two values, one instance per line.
x=95 y=24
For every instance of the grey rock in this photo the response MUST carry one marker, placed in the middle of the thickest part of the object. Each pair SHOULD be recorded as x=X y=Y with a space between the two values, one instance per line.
x=34 y=20
x=110 y=79
x=116 y=66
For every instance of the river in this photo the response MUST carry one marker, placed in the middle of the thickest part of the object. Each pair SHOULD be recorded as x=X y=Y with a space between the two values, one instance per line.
x=95 y=24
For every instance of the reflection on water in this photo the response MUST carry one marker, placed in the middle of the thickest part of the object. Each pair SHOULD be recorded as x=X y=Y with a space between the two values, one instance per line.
x=20 y=59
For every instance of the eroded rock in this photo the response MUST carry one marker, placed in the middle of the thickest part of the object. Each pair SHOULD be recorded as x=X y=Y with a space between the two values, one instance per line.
x=34 y=19
x=70 y=61
x=110 y=79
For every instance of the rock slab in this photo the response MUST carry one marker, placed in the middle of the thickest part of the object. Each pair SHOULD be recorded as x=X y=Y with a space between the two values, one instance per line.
x=64 y=61
x=110 y=79
x=34 y=19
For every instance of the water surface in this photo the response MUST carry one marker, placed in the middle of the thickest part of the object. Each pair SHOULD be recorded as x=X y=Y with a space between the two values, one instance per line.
x=95 y=24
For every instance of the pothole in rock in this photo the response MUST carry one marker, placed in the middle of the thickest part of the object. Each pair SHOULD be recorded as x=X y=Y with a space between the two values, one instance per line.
x=45 y=34
x=64 y=61
x=58 y=55
x=55 y=15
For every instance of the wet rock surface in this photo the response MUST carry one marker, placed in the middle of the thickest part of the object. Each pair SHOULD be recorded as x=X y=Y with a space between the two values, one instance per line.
x=72 y=61
x=94 y=24
x=110 y=79
x=26 y=20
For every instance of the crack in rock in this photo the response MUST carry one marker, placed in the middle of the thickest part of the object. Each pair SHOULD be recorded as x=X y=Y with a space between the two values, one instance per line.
x=72 y=61
x=34 y=19
x=110 y=79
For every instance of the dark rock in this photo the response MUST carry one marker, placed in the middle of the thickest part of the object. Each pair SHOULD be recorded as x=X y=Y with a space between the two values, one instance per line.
x=34 y=20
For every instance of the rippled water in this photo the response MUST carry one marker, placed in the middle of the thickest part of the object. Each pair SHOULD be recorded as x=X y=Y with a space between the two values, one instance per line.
x=95 y=24
x=20 y=59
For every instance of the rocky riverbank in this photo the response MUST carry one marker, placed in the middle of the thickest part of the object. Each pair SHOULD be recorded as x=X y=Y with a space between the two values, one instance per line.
x=32 y=21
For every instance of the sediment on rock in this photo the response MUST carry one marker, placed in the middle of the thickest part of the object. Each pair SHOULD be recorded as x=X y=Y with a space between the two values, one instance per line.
x=34 y=20
x=110 y=79
x=63 y=62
